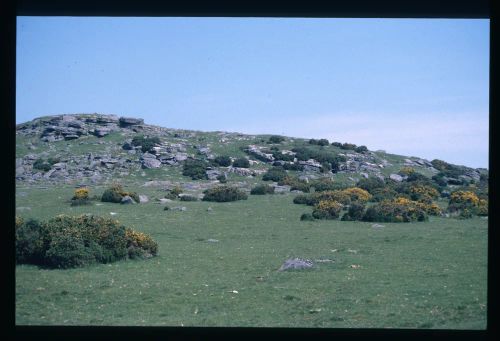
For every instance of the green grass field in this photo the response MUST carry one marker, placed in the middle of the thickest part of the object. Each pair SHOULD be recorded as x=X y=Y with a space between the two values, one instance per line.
x=413 y=275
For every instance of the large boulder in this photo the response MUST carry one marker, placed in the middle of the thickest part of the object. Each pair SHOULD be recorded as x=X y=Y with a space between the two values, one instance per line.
x=149 y=160
x=101 y=131
x=396 y=177
x=128 y=200
x=130 y=121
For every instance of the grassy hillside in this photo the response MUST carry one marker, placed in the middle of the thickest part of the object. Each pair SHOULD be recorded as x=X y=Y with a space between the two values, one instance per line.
x=417 y=275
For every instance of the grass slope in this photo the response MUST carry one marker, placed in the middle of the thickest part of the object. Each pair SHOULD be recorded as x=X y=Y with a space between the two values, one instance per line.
x=417 y=275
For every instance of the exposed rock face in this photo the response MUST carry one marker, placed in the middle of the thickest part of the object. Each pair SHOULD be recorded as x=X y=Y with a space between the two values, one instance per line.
x=127 y=122
x=150 y=163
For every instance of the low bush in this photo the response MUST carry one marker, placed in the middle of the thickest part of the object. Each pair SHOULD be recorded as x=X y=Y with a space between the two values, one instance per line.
x=327 y=209
x=466 y=204
x=361 y=149
x=293 y=166
x=188 y=198
x=224 y=194
x=262 y=189
x=222 y=178
x=80 y=197
x=306 y=217
x=397 y=210
x=73 y=241
x=276 y=139
x=295 y=184
x=406 y=171
x=274 y=174
x=146 y=143
x=115 y=194
x=42 y=165
x=348 y=146
x=223 y=161
x=370 y=184
x=279 y=156
x=383 y=193
x=241 y=163
x=356 y=211
x=196 y=169
x=140 y=245
x=357 y=194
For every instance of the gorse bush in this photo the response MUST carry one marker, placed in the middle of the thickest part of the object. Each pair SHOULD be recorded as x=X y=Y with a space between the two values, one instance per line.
x=357 y=194
x=80 y=197
x=262 y=189
x=465 y=204
x=73 y=241
x=327 y=209
x=224 y=194
x=115 y=194
x=406 y=171
x=241 y=163
x=196 y=169
x=397 y=210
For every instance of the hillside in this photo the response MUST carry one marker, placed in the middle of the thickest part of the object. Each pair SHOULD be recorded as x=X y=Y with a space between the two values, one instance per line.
x=97 y=149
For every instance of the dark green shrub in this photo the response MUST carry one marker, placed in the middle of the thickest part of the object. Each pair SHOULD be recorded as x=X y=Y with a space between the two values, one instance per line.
x=53 y=160
x=80 y=202
x=306 y=217
x=361 y=149
x=383 y=193
x=146 y=143
x=323 y=142
x=222 y=178
x=302 y=199
x=348 y=146
x=196 y=169
x=115 y=194
x=274 y=174
x=276 y=139
x=223 y=160
x=293 y=167
x=313 y=141
x=241 y=163
x=166 y=208
x=282 y=157
x=295 y=184
x=337 y=144
x=111 y=195
x=325 y=167
x=356 y=211
x=262 y=189
x=369 y=184
x=29 y=245
x=42 y=165
x=69 y=251
x=188 y=198
x=224 y=194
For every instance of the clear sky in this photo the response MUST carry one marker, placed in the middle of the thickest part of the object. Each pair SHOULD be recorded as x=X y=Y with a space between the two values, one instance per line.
x=417 y=87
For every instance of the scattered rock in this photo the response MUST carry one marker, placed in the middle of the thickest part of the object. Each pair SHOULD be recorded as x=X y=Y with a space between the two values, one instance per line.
x=128 y=200
x=179 y=208
x=296 y=264
x=143 y=199
x=376 y=226
x=127 y=122
x=396 y=177
x=212 y=240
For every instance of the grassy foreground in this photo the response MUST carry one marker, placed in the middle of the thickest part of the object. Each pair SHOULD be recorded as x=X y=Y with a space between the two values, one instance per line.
x=413 y=275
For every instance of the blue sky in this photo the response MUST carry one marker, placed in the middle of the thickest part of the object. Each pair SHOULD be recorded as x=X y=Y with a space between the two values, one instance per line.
x=417 y=87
